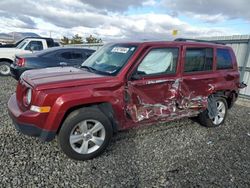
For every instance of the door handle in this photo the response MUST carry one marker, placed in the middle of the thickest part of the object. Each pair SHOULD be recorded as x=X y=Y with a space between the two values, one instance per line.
x=230 y=77
x=63 y=64
x=149 y=82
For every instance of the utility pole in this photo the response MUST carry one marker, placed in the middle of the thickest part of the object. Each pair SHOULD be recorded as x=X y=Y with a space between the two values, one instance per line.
x=13 y=37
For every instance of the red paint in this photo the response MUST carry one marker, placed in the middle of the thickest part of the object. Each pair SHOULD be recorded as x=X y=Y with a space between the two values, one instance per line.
x=151 y=99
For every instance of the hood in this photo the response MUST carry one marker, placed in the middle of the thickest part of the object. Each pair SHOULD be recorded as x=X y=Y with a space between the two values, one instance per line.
x=59 y=77
x=4 y=50
x=13 y=51
x=8 y=46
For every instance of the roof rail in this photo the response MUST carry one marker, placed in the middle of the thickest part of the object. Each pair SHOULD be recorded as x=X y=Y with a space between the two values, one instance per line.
x=198 y=40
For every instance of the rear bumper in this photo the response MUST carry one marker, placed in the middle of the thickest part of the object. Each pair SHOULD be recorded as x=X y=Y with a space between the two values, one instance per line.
x=27 y=122
x=242 y=85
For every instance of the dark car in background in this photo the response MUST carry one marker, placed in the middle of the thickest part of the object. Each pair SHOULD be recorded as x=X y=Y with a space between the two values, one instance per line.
x=52 y=57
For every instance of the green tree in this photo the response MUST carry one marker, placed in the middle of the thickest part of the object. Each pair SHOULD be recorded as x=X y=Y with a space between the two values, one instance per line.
x=92 y=39
x=76 y=39
x=65 y=40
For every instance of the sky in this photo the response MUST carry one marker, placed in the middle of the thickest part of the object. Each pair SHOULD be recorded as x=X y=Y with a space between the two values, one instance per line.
x=126 y=19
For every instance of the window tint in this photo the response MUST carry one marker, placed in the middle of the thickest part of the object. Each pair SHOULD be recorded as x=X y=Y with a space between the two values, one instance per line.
x=198 y=59
x=50 y=42
x=88 y=53
x=34 y=45
x=76 y=55
x=56 y=44
x=159 y=61
x=66 y=55
x=224 y=60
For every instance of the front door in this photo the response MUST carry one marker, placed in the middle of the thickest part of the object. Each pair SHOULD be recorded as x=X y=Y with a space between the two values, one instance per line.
x=152 y=90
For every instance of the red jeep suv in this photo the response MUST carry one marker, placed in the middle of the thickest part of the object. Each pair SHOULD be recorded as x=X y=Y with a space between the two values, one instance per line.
x=124 y=85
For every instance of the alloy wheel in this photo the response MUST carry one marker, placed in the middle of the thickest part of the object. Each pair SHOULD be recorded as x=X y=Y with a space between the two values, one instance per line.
x=221 y=112
x=87 y=136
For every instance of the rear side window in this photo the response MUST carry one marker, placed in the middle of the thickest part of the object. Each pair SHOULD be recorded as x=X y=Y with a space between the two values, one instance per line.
x=224 y=59
x=66 y=55
x=76 y=55
x=198 y=59
x=88 y=53
x=72 y=55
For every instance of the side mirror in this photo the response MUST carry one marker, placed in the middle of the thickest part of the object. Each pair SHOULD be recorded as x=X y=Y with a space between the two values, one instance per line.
x=136 y=76
x=63 y=64
x=32 y=48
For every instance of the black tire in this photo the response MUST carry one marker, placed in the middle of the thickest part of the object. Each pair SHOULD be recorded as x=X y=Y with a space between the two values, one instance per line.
x=206 y=121
x=4 y=68
x=72 y=121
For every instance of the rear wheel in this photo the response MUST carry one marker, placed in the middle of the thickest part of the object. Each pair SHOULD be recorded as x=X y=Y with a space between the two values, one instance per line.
x=219 y=117
x=4 y=68
x=85 y=133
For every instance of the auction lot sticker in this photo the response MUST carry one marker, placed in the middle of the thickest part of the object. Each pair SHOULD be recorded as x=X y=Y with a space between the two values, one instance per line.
x=120 y=50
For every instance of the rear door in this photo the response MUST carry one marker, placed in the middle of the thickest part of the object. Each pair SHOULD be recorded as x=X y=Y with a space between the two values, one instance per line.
x=198 y=70
x=151 y=91
x=226 y=68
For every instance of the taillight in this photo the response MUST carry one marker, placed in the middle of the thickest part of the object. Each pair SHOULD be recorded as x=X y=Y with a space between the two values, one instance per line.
x=20 y=62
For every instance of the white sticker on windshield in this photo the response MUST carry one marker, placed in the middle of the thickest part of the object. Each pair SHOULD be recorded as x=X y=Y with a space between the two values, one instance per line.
x=132 y=49
x=120 y=50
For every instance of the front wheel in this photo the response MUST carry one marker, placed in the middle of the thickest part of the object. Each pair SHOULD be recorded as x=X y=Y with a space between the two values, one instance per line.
x=219 y=114
x=85 y=133
x=4 y=68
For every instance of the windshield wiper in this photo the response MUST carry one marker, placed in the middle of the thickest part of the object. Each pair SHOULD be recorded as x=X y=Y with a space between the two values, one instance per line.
x=90 y=69
x=93 y=70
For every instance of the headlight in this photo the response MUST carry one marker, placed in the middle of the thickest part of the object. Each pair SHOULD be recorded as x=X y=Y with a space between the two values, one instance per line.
x=28 y=96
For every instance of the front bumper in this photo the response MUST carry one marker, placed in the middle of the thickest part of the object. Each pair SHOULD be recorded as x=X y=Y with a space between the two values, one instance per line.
x=32 y=130
x=25 y=122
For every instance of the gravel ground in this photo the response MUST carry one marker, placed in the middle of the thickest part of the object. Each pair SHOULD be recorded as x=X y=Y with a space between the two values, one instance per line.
x=176 y=154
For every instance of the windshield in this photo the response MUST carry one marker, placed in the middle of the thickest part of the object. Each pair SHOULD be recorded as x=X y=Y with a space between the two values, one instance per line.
x=110 y=58
x=22 y=44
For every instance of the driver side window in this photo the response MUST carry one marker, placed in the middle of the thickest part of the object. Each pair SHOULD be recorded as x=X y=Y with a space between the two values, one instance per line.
x=34 y=46
x=159 y=61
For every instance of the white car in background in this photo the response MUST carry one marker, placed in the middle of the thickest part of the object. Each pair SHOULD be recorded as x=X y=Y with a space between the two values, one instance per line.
x=29 y=45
